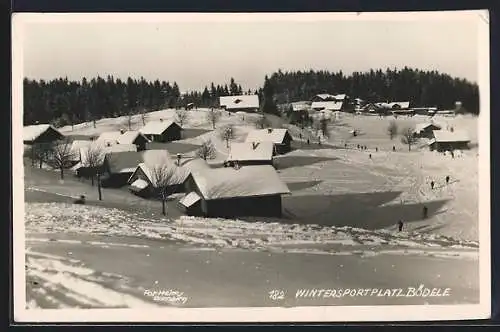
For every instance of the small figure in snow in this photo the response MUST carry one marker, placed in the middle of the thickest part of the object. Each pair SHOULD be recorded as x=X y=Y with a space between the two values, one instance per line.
x=425 y=212
x=358 y=146
x=370 y=156
x=393 y=148
x=376 y=149
x=345 y=145
x=447 y=179
x=80 y=200
x=300 y=136
x=452 y=154
x=432 y=184
x=400 y=225
x=308 y=142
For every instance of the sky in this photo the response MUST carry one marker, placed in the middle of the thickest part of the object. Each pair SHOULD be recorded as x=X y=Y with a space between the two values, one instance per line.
x=196 y=52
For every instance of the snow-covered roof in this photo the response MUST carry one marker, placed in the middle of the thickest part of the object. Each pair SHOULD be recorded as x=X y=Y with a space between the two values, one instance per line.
x=274 y=135
x=251 y=151
x=124 y=162
x=104 y=150
x=181 y=172
x=31 y=133
x=236 y=102
x=327 y=105
x=190 y=199
x=129 y=137
x=340 y=96
x=421 y=126
x=140 y=184
x=450 y=136
x=301 y=105
x=156 y=127
x=247 y=181
x=327 y=96
x=402 y=104
x=109 y=137
x=77 y=145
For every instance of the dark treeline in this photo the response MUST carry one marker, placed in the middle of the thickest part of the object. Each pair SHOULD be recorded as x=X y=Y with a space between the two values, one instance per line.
x=63 y=102
x=421 y=88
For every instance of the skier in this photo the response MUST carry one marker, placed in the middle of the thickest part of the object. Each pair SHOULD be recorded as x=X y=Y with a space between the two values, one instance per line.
x=432 y=184
x=424 y=212
x=447 y=179
x=308 y=141
x=376 y=149
x=370 y=156
x=393 y=148
x=400 y=225
x=358 y=146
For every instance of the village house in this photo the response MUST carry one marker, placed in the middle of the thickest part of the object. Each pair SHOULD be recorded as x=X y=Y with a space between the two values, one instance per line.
x=280 y=138
x=234 y=192
x=425 y=130
x=134 y=137
x=445 y=140
x=161 y=131
x=109 y=138
x=118 y=167
x=327 y=105
x=250 y=153
x=98 y=151
x=42 y=133
x=142 y=181
x=243 y=103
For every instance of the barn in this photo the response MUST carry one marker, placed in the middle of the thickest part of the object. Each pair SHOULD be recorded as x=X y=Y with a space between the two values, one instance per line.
x=134 y=137
x=142 y=180
x=97 y=151
x=250 y=153
x=234 y=192
x=445 y=140
x=118 y=167
x=327 y=105
x=243 y=103
x=280 y=138
x=42 y=133
x=425 y=130
x=161 y=131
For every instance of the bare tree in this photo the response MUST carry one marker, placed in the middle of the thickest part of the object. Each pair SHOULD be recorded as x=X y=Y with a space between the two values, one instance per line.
x=213 y=116
x=206 y=150
x=392 y=129
x=61 y=156
x=161 y=178
x=227 y=134
x=408 y=138
x=181 y=117
x=40 y=152
x=262 y=122
x=92 y=159
x=144 y=116
x=324 y=126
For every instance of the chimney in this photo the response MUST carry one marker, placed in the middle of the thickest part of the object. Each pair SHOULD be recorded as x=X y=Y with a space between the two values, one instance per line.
x=255 y=145
x=269 y=130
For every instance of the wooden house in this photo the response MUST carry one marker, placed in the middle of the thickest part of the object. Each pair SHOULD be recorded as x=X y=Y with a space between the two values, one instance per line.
x=425 y=130
x=250 y=153
x=445 y=140
x=243 y=103
x=161 y=131
x=280 y=138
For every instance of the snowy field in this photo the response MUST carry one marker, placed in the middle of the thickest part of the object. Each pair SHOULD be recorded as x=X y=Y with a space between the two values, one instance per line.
x=343 y=204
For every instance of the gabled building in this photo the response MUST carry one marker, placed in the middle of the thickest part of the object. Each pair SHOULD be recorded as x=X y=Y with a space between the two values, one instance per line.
x=134 y=137
x=445 y=140
x=327 y=105
x=243 y=103
x=234 y=192
x=118 y=167
x=42 y=133
x=161 y=131
x=280 y=138
x=109 y=138
x=250 y=153
x=425 y=130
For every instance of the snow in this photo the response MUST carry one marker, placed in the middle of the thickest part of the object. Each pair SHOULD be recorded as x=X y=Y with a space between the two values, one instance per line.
x=109 y=137
x=251 y=151
x=243 y=182
x=129 y=137
x=190 y=199
x=327 y=105
x=156 y=127
x=30 y=133
x=71 y=281
x=274 y=135
x=140 y=184
x=238 y=102
x=451 y=136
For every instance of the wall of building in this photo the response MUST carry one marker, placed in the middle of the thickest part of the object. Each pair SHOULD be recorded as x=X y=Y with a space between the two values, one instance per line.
x=261 y=206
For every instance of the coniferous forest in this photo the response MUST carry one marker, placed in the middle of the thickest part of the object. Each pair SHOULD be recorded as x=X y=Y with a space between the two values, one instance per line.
x=63 y=102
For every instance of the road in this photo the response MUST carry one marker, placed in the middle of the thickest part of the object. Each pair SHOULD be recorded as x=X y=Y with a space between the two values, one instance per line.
x=235 y=278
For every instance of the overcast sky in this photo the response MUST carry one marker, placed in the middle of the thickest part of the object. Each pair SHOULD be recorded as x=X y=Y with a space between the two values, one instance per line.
x=195 y=53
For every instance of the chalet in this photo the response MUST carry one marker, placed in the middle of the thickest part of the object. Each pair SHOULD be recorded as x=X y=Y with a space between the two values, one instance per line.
x=445 y=140
x=425 y=130
x=250 y=153
x=97 y=151
x=161 y=131
x=301 y=106
x=234 y=192
x=329 y=97
x=327 y=105
x=142 y=181
x=118 y=167
x=424 y=110
x=76 y=147
x=42 y=133
x=243 y=103
x=280 y=138
x=133 y=137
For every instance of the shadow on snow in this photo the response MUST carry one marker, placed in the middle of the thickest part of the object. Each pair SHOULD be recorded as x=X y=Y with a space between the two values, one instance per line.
x=284 y=162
